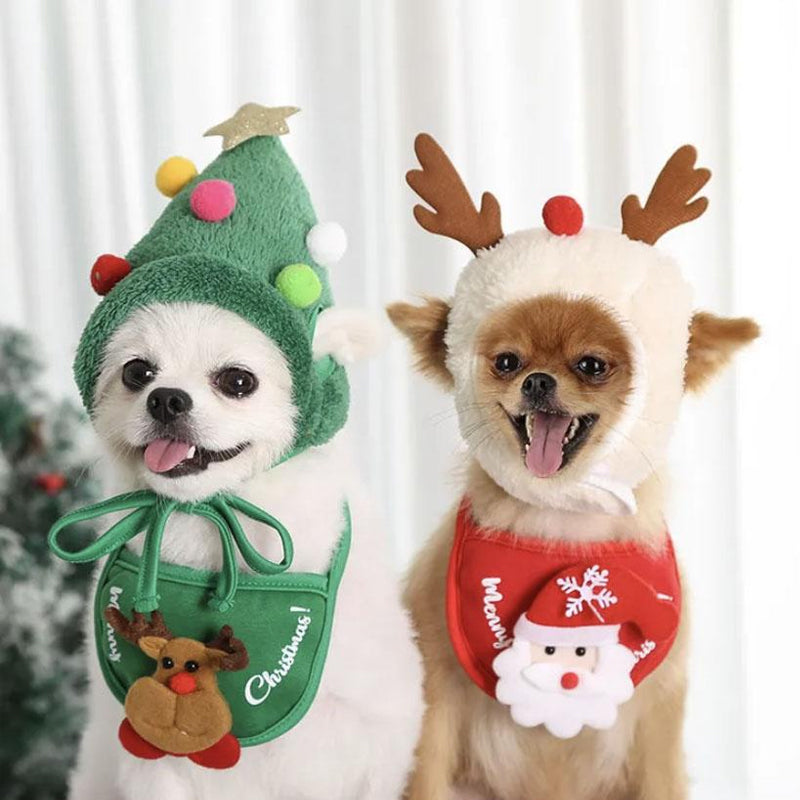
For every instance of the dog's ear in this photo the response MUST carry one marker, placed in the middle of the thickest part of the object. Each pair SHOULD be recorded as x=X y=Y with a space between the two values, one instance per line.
x=425 y=326
x=346 y=334
x=712 y=342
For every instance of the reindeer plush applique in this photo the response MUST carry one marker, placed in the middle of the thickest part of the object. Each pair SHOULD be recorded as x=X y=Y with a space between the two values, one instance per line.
x=179 y=710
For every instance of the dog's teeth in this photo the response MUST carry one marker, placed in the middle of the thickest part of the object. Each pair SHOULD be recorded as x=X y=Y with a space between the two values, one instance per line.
x=573 y=429
x=191 y=452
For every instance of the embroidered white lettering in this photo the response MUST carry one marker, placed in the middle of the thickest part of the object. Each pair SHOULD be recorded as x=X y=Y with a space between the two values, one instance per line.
x=258 y=687
x=647 y=647
x=113 y=602
x=491 y=597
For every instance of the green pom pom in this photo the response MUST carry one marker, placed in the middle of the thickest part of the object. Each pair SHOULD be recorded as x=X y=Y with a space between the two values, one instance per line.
x=299 y=284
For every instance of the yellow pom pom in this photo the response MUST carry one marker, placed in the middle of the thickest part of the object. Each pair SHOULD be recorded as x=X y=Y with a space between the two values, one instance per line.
x=174 y=174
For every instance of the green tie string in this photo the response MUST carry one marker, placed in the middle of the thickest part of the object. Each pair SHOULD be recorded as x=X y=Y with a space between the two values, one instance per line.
x=149 y=515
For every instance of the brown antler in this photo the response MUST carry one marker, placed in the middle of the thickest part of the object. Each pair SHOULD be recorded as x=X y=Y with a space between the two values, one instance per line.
x=238 y=657
x=669 y=202
x=134 y=629
x=441 y=187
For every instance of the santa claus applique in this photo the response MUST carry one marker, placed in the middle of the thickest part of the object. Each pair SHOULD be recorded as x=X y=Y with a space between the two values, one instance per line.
x=574 y=649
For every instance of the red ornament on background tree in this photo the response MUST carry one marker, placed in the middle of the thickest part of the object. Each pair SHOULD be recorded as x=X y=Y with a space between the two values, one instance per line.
x=51 y=482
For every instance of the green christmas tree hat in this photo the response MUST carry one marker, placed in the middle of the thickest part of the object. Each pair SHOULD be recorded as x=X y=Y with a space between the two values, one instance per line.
x=242 y=236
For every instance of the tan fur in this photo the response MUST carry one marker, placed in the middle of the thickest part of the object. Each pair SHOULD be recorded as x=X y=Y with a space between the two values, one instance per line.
x=550 y=334
x=713 y=341
x=468 y=738
x=424 y=326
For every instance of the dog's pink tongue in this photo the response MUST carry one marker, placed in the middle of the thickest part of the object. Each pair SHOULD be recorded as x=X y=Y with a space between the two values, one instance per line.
x=162 y=455
x=545 y=451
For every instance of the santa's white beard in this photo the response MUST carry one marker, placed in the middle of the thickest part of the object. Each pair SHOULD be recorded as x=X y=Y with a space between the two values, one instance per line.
x=536 y=697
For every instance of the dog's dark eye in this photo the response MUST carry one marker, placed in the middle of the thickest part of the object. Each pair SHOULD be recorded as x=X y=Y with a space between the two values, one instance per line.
x=550 y=650
x=580 y=651
x=506 y=363
x=137 y=374
x=191 y=666
x=592 y=367
x=167 y=662
x=236 y=382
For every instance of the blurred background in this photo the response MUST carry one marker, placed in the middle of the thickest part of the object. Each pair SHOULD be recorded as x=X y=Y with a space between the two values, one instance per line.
x=531 y=98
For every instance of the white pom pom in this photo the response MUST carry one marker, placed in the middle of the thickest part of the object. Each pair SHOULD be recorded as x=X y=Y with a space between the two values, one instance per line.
x=327 y=243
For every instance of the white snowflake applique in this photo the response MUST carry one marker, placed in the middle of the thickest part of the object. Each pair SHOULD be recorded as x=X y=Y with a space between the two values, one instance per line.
x=593 y=578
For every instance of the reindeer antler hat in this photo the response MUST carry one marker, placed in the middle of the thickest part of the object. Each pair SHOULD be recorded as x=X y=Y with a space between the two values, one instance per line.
x=638 y=284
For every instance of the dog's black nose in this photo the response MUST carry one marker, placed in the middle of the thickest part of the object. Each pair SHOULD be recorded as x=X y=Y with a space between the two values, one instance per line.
x=538 y=386
x=166 y=405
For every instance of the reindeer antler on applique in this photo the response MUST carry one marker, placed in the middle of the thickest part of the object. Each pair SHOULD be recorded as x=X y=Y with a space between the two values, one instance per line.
x=139 y=626
x=670 y=202
x=455 y=215
x=237 y=657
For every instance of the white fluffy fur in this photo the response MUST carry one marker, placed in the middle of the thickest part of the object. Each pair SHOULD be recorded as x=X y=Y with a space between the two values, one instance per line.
x=189 y=343
x=347 y=334
x=645 y=292
x=370 y=693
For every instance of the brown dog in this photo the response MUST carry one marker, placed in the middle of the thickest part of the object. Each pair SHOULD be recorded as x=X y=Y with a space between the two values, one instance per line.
x=567 y=352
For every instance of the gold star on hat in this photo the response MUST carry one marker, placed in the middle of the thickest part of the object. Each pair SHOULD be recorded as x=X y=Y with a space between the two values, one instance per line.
x=252 y=120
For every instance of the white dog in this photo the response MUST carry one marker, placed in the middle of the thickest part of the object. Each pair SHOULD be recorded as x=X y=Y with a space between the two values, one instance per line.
x=356 y=741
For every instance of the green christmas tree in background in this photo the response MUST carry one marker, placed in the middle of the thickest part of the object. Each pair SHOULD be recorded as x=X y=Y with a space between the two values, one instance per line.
x=42 y=476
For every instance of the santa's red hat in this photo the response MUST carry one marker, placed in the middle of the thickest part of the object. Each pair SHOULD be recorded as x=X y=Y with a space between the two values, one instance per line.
x=587 y=604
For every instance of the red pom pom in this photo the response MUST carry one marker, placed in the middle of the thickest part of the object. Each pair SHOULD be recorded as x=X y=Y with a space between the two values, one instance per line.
x=51 y=482
x=134 y=743
x=562 y=215
x=569 y=680
x=183 y=683
x=222 y=755
x=107 y=272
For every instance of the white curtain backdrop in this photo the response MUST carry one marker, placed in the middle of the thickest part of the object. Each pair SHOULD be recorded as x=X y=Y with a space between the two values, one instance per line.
x=532 y=98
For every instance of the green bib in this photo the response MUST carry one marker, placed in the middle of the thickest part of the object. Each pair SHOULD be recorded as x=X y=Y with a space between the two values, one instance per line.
x=285 y=619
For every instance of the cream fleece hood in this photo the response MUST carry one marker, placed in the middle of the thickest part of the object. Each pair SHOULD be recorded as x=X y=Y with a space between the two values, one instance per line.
x=643 y=290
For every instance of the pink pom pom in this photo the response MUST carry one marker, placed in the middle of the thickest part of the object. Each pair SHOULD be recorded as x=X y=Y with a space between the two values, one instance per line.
x=213 y=201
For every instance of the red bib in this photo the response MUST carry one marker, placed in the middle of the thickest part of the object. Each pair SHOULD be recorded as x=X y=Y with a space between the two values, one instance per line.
x=494 y=577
